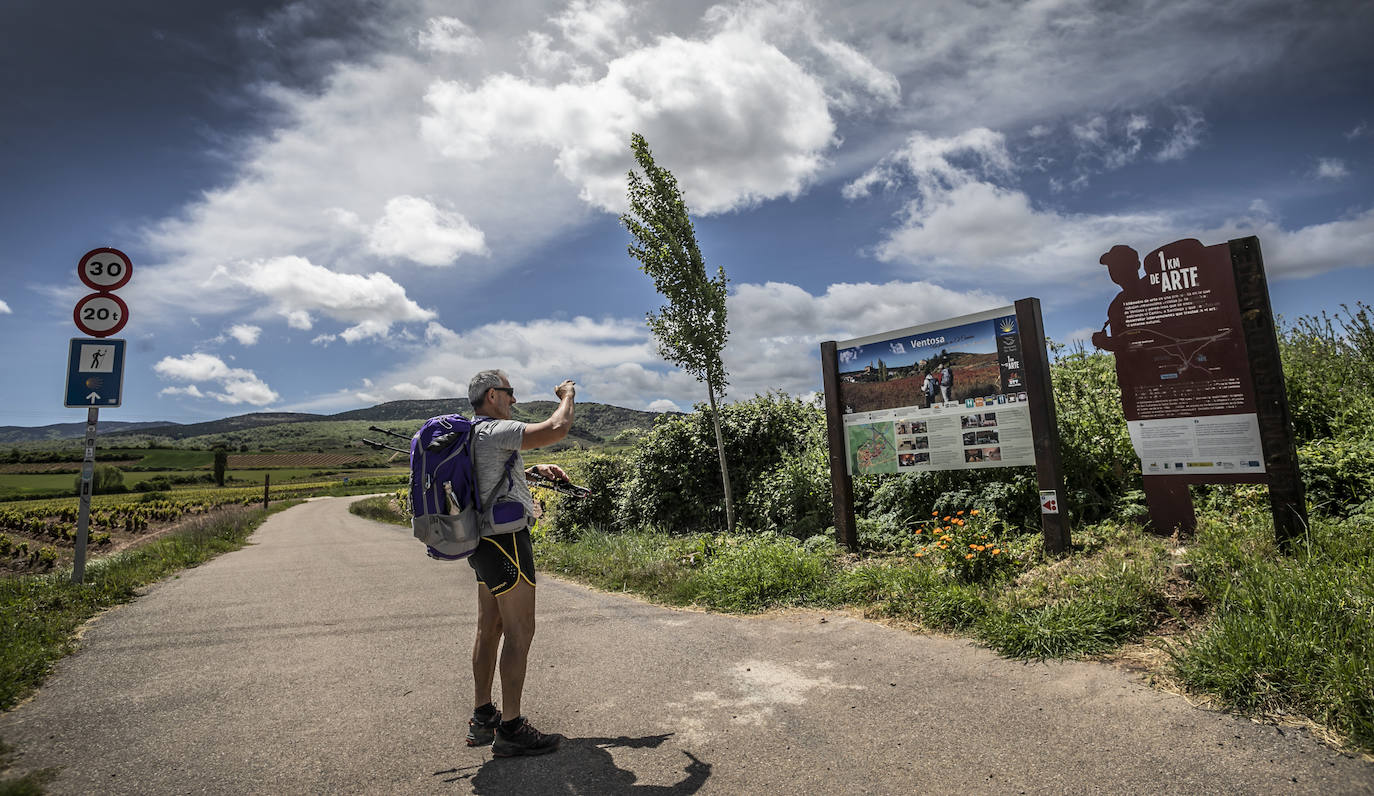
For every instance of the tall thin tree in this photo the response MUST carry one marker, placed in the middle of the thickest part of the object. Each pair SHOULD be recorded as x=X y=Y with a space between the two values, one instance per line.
x=690 y=328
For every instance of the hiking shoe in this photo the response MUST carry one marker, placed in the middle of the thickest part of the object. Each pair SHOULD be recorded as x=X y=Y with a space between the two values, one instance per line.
x=482 y=728
x=523 y=740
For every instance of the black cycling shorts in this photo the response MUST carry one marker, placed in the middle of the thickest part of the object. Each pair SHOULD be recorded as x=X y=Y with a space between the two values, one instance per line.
x=503 y=560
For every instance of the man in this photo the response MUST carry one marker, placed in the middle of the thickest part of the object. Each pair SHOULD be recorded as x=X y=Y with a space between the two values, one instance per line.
x=946 y=382
x=504 y=564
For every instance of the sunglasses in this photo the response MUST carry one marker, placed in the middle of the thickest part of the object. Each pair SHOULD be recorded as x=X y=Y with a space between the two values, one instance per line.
x=507 y=390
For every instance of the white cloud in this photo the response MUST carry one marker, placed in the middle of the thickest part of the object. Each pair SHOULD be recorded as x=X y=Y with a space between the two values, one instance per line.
x=190 y=391
x=1357 y=131
x=1330 y=169
x=663 y=405
x=943 y=229
x=414 y=228
x=297 y=289
x=246 y=334
x=1185 y=136
x=447 y=35
x=1306 y=251
x=5 y=308
x=740 y=116
x=598 y=28
x=237 y=385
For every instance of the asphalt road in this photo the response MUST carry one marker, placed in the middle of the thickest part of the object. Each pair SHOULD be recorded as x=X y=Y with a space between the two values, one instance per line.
x=330 y=656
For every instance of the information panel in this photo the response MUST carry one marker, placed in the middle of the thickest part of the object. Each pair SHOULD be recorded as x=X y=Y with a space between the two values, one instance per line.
x=944 y=396
x=1181 y=360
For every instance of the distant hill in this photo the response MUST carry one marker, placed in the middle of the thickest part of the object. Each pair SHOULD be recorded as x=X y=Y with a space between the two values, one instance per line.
x=57 y=431
x=228 y=424
x=596 y=425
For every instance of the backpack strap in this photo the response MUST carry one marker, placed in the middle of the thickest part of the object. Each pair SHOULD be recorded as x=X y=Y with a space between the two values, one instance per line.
x=510 y=464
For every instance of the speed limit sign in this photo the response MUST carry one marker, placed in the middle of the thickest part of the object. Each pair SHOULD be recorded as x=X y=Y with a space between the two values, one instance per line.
x=105 y=269
x=101 y=314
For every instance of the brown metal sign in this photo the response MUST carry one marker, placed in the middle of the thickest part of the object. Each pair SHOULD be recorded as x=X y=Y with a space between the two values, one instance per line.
x=1190 y=370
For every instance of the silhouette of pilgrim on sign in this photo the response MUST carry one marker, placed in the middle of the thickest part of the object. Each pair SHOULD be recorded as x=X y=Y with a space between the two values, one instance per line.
x=1184 y=328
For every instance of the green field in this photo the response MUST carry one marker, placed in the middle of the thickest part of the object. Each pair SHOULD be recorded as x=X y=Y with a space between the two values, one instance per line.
x=18 y=486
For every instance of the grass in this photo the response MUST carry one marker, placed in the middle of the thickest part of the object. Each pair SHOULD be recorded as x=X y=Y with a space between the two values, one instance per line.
x=40 y=613
x=1264 y=634
x=381 y=508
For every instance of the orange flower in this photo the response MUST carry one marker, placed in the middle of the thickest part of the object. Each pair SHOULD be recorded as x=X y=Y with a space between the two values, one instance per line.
x=920 y=554
x=970 y=555
x=995 y=551
x=934 y=513
x=918 y=530
x=960 y=523
x=944 y=547
x=958 y=513
x=973 y=513
x=946 y=518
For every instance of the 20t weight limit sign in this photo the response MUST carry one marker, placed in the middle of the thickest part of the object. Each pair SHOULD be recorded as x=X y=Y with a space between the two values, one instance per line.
x=101 y=314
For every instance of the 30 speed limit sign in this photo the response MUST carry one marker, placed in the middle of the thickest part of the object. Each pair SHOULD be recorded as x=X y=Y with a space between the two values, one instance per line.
x=101 y=314
x=105 y=269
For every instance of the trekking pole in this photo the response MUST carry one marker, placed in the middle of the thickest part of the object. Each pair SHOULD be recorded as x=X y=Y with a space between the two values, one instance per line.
x=554 y=485
x=382 y=446
x=389 y=433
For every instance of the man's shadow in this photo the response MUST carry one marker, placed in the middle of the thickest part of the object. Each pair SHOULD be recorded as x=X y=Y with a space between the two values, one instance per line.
x=581 y=765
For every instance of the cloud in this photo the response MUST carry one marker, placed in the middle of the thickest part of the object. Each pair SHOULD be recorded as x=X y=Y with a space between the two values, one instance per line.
x=414 y=228
x=298 y=290
x=745 y=112
x=1358 y=131
x=5 y=308
x=1330 y=169
x=1306 y=251
x=598 y=29
x=1185 y=136
x=957 y=195
x=663 y=405
x=447 y=35
x=246 y=334
x=237 y=385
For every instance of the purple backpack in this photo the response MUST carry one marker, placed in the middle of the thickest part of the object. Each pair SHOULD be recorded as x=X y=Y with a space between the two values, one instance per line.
x=448 y=513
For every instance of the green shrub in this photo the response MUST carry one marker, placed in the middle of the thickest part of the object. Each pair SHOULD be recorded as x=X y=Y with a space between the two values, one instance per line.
x=1099 y=463
x=1338 y=473
x=1328 y=369
x=604 y=475
x=794 y=497
x=673 y=480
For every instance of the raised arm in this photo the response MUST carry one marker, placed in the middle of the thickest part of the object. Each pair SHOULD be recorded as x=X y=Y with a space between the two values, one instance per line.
x=537 y=435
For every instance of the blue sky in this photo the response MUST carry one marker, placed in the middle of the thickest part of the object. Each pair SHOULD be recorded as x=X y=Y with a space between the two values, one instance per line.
x=335 y=204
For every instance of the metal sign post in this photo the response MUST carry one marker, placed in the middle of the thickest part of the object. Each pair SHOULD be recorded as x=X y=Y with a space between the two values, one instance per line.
x=95 y=368
x=83 y=517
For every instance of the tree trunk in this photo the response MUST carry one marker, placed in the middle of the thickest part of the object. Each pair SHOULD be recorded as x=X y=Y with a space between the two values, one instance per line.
x=724 y=470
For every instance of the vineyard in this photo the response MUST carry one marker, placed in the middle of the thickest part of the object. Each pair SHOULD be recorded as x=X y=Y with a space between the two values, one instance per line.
x=255 y=461
x=36 y=534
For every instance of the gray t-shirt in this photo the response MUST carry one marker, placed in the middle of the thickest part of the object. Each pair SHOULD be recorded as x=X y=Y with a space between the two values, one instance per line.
x=496 y=440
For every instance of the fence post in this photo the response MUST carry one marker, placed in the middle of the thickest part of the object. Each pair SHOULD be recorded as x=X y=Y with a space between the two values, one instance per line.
x=266 y=482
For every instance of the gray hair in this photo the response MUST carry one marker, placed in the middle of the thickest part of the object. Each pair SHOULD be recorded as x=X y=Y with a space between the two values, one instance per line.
x=483 y=381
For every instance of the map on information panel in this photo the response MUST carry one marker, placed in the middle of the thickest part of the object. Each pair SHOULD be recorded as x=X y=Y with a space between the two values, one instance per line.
x=874 y=448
